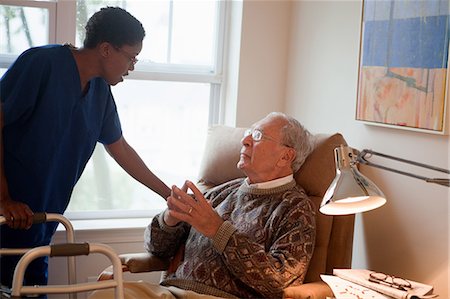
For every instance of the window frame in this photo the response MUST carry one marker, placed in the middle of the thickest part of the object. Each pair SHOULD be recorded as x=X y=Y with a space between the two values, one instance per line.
x=7 y=59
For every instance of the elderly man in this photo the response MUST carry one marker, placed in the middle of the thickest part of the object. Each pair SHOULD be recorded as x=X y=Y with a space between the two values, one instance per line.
x=248 y=238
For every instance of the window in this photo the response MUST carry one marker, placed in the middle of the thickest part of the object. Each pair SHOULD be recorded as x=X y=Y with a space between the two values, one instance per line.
x=165 y=105
x=25 y=24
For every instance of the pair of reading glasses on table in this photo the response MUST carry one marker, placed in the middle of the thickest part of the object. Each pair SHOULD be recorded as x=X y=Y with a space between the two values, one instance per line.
x=390 y=280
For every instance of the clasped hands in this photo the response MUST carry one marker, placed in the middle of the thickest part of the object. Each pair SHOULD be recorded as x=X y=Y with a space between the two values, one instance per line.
x=193 y=209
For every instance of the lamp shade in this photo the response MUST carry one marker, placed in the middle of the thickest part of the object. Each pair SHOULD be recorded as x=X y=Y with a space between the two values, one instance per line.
x=350 y=192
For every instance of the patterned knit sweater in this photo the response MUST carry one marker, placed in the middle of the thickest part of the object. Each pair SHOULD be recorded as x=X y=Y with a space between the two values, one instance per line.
x=264 y=245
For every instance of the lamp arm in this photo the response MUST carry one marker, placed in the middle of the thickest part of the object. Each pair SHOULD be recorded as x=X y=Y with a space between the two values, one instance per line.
x=361 y=158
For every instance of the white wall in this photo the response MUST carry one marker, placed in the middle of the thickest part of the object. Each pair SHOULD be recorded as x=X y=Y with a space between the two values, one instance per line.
x=260 y=78
x=409 y=236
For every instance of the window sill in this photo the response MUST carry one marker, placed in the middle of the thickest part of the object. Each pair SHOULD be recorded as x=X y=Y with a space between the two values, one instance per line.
x=107 y=224
x=107 y=231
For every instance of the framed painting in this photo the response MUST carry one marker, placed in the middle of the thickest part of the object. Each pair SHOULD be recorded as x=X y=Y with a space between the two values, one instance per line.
x=403 y=64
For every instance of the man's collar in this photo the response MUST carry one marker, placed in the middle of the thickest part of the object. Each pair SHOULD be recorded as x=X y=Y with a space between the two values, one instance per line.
x=271 y=184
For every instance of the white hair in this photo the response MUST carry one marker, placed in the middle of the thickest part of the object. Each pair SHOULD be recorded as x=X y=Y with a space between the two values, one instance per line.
x=297 y=137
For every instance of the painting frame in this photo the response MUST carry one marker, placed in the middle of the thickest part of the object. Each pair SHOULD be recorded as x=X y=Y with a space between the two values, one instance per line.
x=403 y=82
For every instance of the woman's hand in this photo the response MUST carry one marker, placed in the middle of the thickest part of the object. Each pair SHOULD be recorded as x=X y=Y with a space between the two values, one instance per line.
x=17 y=214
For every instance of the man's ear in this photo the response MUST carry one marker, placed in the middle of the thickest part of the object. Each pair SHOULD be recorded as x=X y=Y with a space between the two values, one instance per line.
x=287 y=157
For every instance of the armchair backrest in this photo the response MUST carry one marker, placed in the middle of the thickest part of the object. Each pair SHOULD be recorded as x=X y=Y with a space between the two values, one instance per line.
x=334 y=237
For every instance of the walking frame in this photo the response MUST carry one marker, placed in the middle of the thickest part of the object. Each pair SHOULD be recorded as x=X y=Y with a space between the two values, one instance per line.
x=70 y=249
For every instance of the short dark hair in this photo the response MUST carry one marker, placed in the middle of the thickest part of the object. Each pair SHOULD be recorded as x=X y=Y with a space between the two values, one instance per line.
x=115 y=26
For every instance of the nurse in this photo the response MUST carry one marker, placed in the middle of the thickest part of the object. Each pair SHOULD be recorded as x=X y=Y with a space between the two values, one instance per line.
x=56 y=104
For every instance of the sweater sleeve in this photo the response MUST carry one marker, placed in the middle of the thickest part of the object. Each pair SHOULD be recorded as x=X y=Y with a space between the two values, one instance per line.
x=220 y=240
x=284 y=259
x=163 y=240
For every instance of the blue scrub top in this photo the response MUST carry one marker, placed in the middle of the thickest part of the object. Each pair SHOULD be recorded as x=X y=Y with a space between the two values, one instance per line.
x=50 y=127
x=50 y=131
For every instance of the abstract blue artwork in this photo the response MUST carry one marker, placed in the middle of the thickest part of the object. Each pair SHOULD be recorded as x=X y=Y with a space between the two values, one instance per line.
x=403 y=64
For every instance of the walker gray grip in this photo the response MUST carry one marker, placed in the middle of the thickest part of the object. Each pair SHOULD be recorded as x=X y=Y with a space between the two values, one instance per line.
x=39 y=217
x=71 y=249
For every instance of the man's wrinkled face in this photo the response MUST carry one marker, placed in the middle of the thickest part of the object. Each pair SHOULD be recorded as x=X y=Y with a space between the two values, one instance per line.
x=261 y=160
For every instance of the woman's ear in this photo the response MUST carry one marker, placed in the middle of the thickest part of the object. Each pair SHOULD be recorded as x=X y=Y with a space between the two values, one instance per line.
x=104 y=49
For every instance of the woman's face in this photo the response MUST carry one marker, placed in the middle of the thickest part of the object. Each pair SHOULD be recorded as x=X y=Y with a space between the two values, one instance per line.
x=120 y=62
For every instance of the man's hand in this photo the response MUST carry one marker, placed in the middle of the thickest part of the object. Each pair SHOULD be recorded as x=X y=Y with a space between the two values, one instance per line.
x=18 y=215
x=169 y=219
x=194 y=210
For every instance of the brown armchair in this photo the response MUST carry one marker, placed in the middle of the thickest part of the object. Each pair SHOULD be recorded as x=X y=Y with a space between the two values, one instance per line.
x=334 y=237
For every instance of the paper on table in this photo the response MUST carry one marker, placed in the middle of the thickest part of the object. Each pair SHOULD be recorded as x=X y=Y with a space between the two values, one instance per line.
x=361 y=277
x=344 y=289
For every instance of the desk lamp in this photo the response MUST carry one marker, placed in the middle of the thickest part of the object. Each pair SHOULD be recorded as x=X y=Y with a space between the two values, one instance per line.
x=351 y=192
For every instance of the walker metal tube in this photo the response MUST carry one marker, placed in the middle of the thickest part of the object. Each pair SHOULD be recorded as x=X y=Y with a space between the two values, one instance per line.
x=28 y=257
x=70 y=238
x=42 y=217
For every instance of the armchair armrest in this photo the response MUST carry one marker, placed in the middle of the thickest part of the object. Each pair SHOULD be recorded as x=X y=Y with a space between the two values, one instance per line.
x=144 y=262
x=137 y=263
x=311 y=290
